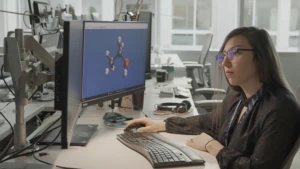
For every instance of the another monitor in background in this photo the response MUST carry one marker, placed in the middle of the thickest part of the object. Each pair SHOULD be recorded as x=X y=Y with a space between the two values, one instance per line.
x=68 y=70
x=146 y=16
x=114 y=60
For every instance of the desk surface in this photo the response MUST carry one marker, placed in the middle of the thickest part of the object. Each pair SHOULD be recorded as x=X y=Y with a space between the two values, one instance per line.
x=105 y=151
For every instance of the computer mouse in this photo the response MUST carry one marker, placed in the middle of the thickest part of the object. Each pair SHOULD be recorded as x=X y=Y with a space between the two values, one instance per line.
x=134 y=128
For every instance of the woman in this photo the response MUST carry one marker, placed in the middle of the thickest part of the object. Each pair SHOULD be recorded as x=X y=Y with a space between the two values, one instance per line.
x=259 y=121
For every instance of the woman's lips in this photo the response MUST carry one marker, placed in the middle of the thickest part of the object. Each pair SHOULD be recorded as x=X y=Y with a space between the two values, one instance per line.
x=229 y=73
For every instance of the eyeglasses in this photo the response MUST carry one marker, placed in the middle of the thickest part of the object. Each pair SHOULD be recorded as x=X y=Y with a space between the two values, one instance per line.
x=231 y=54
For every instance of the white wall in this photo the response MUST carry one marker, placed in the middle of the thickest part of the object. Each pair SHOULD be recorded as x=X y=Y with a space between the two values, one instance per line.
x=224 y=20
x=107 y=11
x=2 y=25
x=7 y=19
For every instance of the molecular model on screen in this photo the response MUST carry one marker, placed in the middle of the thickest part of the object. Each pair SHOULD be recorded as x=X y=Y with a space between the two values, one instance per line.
x=111 y=60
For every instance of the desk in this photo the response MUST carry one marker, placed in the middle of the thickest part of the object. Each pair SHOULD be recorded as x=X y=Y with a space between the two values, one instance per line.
x=179 y=68
x=105 y=151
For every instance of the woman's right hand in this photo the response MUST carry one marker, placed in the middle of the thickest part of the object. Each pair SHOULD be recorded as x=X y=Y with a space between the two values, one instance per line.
x=150 y=126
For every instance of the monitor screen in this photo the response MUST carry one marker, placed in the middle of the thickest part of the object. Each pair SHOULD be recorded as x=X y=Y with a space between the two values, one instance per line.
x=114 y=59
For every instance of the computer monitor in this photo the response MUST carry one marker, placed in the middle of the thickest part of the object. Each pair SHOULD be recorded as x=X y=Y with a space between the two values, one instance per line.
x=101 y=61
x=68 y=71
x=114 y=60
x=146 y=16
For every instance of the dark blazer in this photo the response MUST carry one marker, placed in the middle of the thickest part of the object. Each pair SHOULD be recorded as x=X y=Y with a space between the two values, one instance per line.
x=263 y=137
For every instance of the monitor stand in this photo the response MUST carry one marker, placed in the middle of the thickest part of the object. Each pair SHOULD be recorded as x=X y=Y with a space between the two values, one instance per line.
x=82 y=135
x=113 y=119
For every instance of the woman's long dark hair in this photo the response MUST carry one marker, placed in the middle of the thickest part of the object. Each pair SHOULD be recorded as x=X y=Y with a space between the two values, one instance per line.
x=266 y=58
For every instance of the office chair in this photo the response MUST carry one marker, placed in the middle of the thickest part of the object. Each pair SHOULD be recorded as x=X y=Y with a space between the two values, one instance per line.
x=289 y=159
x=201 y=65
x=202 y=85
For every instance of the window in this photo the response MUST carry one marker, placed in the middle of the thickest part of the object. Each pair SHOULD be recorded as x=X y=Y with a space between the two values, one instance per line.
x=279 y=17
x=191 y=19
x=263 y=14
x=294 y=34
x=204 y=14
x=183 y=12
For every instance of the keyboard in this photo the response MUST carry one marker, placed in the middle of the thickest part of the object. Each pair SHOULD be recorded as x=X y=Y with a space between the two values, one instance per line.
x=159 y=151
x=166 y=92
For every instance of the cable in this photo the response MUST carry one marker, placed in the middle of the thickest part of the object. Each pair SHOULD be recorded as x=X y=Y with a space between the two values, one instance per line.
x=10 y=142
x=16 y=13
x=115 y=10
x=35 y=92
x=56 y=30
x=5 y=106
x=144 y=113
x=117 y=15
x=47 y=132
x=26 y=23
x=4 y=151
x=20 y=151
x=6 y=146
x=120 y=9
x=34 y=151
x=37 y=139
x=62 y=35
x=11 y=127
x=2 y=67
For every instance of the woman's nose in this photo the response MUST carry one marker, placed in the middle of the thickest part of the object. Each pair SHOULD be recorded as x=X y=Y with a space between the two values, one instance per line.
x=226 y=61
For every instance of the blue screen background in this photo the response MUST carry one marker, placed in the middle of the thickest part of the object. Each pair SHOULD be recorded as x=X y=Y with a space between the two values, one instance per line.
x=96 y=42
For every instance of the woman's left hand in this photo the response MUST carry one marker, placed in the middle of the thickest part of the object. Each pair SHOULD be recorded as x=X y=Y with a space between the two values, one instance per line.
x=199 y=141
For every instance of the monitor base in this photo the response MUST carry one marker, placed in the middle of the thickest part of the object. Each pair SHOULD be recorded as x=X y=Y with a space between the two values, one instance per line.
x=82 y=135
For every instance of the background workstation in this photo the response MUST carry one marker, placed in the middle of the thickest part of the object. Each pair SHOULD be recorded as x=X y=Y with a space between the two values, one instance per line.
x=178 y=32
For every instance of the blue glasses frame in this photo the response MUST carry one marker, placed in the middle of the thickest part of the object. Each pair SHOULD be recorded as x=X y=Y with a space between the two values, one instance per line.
x=230 y=54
